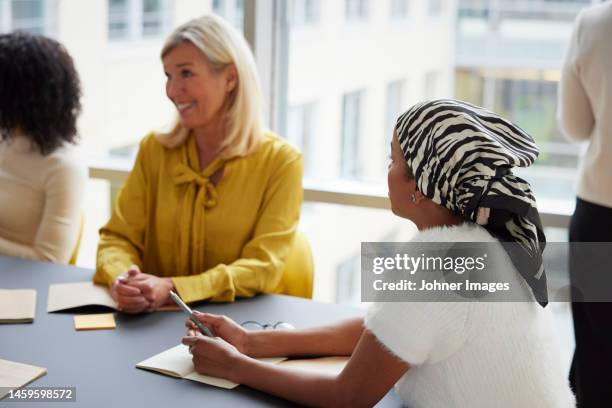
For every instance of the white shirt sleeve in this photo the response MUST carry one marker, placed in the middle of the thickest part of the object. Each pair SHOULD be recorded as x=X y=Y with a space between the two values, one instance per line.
x=575 y=113
x=420 y=332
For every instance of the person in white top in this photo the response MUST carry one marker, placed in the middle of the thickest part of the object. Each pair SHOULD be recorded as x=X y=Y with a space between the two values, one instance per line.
x=450 y=171
x=585 y=115
x=42 y=180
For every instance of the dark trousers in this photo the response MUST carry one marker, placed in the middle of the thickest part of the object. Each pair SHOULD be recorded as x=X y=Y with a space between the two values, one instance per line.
x=591 y=371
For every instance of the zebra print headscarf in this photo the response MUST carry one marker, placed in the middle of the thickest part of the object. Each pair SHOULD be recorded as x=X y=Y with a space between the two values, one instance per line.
x=461 y=156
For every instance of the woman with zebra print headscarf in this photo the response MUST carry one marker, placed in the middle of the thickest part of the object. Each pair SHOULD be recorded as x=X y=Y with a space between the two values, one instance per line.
x=450 y=173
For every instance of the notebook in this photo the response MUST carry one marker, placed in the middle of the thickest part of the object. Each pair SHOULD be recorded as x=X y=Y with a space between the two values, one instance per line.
x=177 y=362
x=64 y=296
x=15 y=375
x=17 y=305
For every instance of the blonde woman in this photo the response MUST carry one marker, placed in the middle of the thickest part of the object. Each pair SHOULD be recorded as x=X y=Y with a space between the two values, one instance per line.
x=211 y=208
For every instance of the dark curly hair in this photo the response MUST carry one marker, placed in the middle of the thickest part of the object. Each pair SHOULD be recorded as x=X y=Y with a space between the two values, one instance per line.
x=39 y=90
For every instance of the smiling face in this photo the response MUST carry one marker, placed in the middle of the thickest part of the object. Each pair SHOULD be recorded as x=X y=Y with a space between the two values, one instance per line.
x=198 y=91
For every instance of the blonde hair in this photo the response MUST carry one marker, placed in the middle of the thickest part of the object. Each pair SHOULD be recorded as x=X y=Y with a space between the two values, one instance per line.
x=222 y=45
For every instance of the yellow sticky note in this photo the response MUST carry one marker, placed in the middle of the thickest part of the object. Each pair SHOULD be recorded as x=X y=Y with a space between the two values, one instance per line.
x=95 y=322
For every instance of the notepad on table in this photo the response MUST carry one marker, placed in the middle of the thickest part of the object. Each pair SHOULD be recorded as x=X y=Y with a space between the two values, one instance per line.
x=64 y=296
x=95 y=322
x=17 y=305
x=177 y=362
x=15 y=375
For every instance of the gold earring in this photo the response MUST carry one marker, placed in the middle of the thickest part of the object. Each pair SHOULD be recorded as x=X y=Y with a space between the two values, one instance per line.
x=413 y=198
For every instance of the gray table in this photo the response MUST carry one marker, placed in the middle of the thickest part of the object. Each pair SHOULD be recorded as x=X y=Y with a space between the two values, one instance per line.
x=100 y=364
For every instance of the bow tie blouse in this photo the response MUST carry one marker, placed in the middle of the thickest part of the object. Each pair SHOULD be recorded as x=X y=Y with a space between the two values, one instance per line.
x=216 y=241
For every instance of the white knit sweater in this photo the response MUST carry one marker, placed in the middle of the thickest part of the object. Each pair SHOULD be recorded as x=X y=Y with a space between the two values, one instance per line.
x=585 y=100
x=473 y=354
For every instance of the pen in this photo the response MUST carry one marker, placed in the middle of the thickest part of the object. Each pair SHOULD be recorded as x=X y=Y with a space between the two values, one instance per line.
x=205 y=330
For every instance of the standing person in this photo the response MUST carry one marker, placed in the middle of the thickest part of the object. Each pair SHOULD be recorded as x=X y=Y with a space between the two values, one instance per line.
x=42 y=180
x=585 y=115
x=450 y=173
x=210 y=209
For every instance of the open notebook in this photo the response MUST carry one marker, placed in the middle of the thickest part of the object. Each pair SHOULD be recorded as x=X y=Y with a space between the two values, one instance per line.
x=15 y=375
x=64 y=296
x=177 y=362
x=17 y=305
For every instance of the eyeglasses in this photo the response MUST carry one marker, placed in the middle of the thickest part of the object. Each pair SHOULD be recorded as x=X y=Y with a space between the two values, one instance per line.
x=253 y=325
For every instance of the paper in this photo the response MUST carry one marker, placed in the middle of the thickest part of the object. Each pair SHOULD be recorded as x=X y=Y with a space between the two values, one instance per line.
x=323 y=365
x=17 y=305
x=177 y=362
x=15 y=375
x=63 y=296
x=95 y=322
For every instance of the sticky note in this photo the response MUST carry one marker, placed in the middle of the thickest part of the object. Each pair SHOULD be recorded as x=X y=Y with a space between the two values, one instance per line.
x=95 y=322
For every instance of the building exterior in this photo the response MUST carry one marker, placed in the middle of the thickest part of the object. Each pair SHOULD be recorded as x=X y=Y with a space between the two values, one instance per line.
x=509 y=56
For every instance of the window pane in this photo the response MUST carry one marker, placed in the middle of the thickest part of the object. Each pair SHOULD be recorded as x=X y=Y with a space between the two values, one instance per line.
x=399 y=8
x=301 y=125
x=431 y=85
x=232 y=11
x=303 y=12
x=335 y=233
x=356 y=9
x=395 y=106
x=151 y=18
x=118 y=18
x=28 y=15
x=350 y=163
x=435 y=8
x=508 y=59
x=356 y=73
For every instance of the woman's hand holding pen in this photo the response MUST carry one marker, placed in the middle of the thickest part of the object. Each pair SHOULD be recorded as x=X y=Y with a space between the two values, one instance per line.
x=214 y=356
x=223 y=327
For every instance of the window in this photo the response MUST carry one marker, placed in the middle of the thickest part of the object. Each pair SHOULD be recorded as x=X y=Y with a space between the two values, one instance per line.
x=399 y=8
x=151 y=18
x=118 y=19
x=434 y=8
x=530 y=102
x=35 y=16
x=301 y=125
x=348 y=277
x=304 y=12
x=231 y=10
x=356 y=10
x=351 y=166
x=130 y=20
x=431 y=85
x=395 y=105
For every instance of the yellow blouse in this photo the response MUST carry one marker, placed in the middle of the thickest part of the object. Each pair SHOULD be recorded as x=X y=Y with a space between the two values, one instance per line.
x=216 y=242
